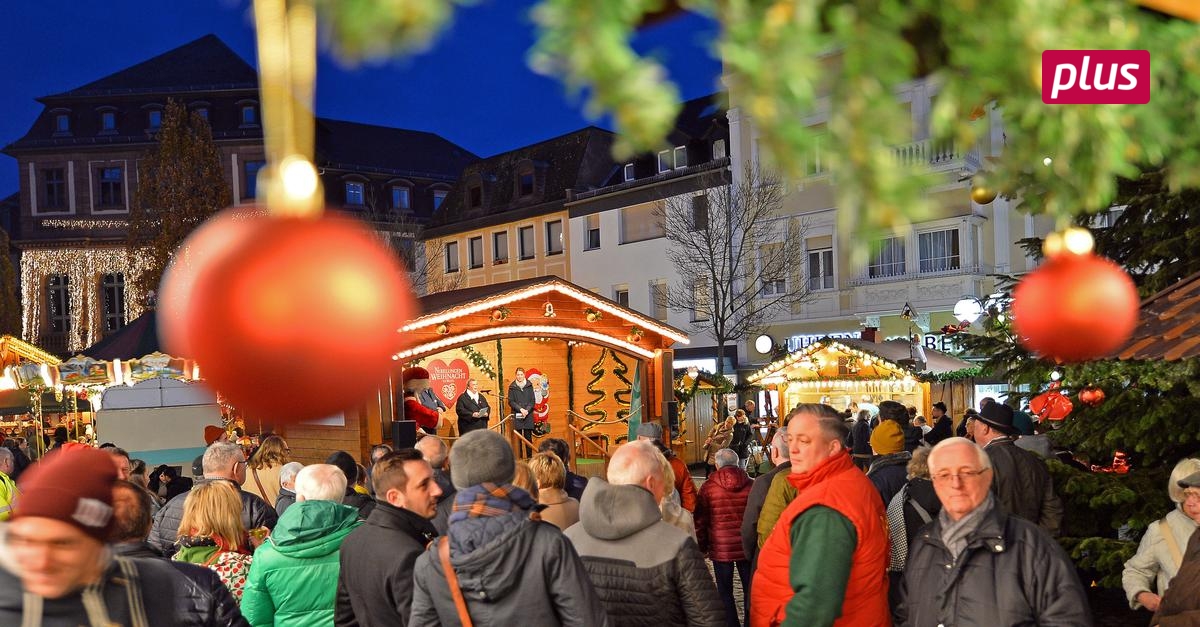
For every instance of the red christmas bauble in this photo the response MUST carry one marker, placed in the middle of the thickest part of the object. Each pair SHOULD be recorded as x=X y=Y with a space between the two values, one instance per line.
x=1075 y=308
x=299 y=320
x=208 y=245
x=1091 y=396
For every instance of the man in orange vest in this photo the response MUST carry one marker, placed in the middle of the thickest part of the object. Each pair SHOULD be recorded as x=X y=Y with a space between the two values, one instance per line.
x=836 y=574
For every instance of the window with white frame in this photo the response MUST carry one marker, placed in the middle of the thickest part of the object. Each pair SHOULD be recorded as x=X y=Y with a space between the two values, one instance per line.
x=938 y=251
x=111 y=187
x=499 y=247
x=354 y=193
x=554 y=237
x=629 y=172
x=452 y=257
x=475 y=251
x=112 y=289
x=718 y=149
x=666 y=162
x=701 y=301
x=658 y=300
x=401 y=198
x=592 y=241
x=888 y=259
x=525 y=246
x=681 y=160
x=820 y=269
x=58 y=303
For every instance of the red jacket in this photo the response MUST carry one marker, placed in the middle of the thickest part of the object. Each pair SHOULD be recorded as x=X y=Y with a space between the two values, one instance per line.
x=414 y=410
x=837 y=484
x=722 y=504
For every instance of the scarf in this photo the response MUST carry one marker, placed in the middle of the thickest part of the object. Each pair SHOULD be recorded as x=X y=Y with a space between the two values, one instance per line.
x=489 y=499
x=474 y=396
x=956 y=534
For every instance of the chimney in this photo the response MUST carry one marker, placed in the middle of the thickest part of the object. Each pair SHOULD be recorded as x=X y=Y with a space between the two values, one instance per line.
x=871 y=334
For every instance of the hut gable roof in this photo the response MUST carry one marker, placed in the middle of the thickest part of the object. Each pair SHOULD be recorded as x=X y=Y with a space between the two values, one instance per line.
x=1168 y=326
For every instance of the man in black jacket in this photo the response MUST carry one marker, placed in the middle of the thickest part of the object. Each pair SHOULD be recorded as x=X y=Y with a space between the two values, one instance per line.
x=978 y=565
x=942 y=425
x=223 y=461
x=1022 y=484
x=375 y=585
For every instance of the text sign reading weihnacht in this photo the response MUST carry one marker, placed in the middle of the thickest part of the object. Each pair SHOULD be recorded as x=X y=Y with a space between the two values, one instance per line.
x=448 y=381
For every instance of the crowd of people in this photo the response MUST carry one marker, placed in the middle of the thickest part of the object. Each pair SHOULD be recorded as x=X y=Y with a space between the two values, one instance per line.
x=917 y=527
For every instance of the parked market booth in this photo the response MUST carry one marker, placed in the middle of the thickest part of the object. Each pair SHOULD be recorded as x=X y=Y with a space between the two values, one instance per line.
x=849 y=374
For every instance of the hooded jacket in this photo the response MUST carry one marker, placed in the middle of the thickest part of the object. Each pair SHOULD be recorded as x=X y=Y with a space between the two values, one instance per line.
x=647 y=572
x=719 y=515
x=293 y=578
x=512 y=571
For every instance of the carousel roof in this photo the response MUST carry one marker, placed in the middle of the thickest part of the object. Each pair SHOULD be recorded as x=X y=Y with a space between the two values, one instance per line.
x=889 y=357
x=13 y=350
x=135 y=339
x=1169 y=325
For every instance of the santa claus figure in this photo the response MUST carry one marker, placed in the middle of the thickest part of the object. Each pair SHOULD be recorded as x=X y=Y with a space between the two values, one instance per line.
x=416 y=380
x=541 y=402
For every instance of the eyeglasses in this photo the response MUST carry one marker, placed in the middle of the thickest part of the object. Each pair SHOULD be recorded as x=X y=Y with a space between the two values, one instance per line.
x=946 y=477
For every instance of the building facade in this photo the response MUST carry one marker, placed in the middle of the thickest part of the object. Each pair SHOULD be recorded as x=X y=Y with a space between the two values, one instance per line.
x=617 y=242
x=911 y=282
x=79 y=173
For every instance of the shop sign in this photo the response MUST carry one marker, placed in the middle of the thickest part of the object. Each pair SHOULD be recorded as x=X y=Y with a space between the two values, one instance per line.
x=797 y=342
x=936 y=341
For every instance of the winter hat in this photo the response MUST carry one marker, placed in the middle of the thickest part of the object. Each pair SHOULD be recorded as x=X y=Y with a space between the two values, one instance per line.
x=887 y=438
x=415 y=375
x=650 y=430
x=480 y=456
x=212 y=433
x=73 y=486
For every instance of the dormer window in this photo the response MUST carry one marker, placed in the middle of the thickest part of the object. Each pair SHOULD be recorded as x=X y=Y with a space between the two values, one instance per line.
x=249 y=115
x=629 y=173
x=681 y=160
x=475 y=196
x=62 y=123
x=672 y=159
x=439 y=196
x=202 y=112
x=108 y=121
x=354 y=194
x=718 y=149
x=154 y=119
x=525 y=182
x=401 y=197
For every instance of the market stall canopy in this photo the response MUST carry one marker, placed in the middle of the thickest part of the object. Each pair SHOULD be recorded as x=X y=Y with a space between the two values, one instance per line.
x=15 y=402
x=860 y=359
x=539 y=307
x=13 y=351
x=137 y=338
x=1169 y=325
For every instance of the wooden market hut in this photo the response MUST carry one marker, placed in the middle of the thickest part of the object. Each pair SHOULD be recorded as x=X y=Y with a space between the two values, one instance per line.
x=1168 y=326
x=585 y=349
x=844 y=372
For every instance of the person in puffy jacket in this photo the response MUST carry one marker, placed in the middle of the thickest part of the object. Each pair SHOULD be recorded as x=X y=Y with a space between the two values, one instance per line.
x=222 y=461
x=1149 y=572
x=718 y=526
x=512 y=568
x=293 y=579
x=647 y=572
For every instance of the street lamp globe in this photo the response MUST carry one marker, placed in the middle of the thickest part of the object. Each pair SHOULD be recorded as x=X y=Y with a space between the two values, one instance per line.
x=968 y=309
x=764 y=344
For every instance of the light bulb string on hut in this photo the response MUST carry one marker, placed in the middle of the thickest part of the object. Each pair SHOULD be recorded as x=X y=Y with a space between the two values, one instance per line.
x=287 y=60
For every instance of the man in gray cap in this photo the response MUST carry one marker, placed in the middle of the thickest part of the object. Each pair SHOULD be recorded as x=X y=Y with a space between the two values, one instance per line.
x=653 y=432
x=499 y=559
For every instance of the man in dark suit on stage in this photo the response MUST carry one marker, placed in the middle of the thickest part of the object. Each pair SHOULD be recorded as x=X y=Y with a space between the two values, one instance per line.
x=472 y=409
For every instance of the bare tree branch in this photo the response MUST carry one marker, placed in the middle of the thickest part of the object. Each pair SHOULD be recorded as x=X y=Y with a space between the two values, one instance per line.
x=741 y=259
x=401 y=230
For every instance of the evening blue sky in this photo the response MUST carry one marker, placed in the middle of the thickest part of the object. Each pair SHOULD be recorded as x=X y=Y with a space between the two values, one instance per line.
x=473 y=87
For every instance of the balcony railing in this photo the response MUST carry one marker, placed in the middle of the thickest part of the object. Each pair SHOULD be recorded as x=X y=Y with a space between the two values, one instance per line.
x=939 y=155
x=912 y=275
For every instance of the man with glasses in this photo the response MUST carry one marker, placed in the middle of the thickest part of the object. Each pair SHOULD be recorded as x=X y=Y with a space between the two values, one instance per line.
x=223 y=461
x=976 y=564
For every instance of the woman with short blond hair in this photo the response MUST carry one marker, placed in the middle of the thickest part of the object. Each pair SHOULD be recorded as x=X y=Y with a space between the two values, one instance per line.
x=211 y=533
x=551 y=476
x=262 y=471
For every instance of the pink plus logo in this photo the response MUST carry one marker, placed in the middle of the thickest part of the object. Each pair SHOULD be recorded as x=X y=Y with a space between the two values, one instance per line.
x=1096 y=76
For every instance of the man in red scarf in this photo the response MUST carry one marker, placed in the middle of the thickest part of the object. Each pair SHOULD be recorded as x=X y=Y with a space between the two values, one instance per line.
x=824 y=563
